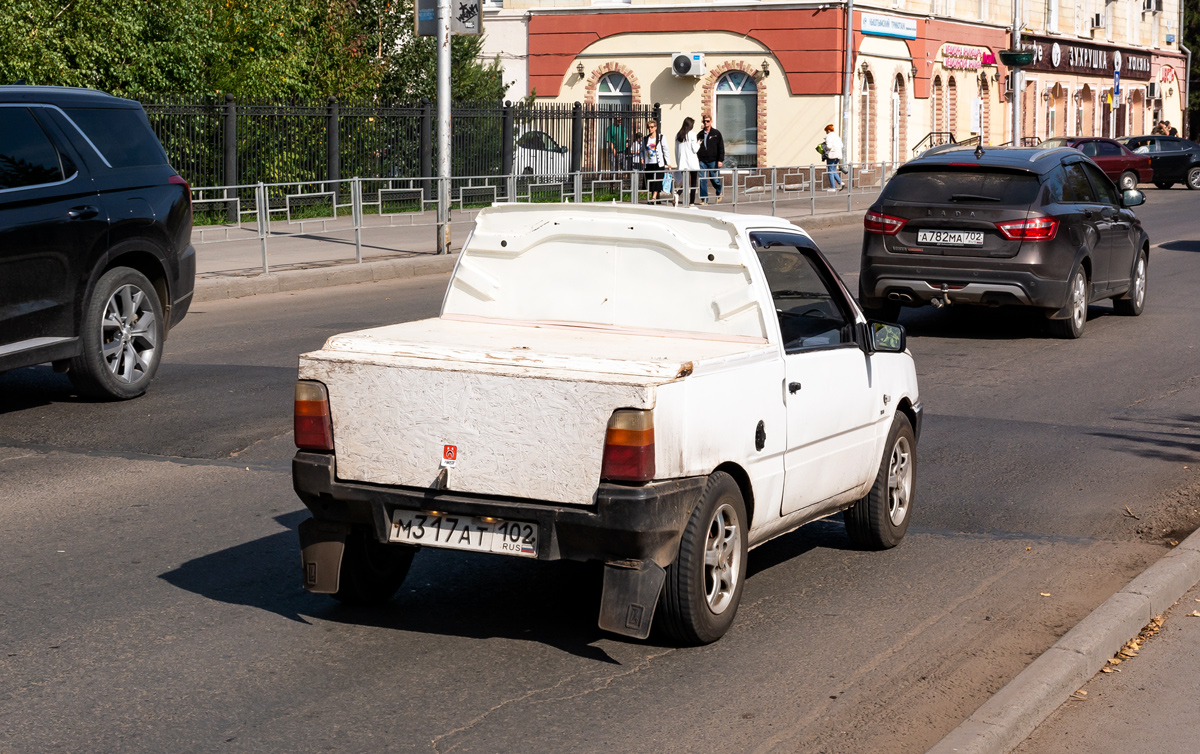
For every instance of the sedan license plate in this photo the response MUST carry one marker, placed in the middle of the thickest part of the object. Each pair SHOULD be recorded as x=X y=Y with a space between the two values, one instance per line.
x=465 y=533
x=950 y=237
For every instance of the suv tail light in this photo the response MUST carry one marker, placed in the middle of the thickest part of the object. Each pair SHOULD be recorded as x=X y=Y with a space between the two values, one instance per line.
x=178 y=181
x=629 y=447
x=312 y=426
x=1033 y=229
x=877 y=222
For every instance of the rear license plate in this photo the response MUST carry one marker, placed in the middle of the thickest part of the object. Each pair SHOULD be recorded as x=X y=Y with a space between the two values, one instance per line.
x=518 y=538
x=950 y=237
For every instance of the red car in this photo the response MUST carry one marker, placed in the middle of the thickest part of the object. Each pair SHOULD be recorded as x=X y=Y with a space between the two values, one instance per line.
x=1125 y=168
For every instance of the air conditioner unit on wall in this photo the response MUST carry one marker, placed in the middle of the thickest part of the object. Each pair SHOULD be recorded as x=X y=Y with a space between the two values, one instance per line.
x=1152 y=6
x=1098 y=21
x=687 y=64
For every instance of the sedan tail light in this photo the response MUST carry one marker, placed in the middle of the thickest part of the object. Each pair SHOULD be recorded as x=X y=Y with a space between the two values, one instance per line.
x=312 y=425
x=179 y=181
x=629 y=447
x=877 y=222
x=1033 y=229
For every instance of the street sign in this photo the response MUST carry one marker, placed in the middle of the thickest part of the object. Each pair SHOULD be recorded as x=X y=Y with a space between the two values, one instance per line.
x=465 y=18
x=1117 y=83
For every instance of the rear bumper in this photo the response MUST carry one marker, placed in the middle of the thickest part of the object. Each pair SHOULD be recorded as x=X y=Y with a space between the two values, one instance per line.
x=964 y=285
x=626 y=523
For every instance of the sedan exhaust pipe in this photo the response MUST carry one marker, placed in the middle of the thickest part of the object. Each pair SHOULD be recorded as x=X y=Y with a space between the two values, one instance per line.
x=895 y=296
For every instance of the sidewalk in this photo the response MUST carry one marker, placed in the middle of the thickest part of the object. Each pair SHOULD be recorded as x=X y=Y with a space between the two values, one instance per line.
x=1151 y=705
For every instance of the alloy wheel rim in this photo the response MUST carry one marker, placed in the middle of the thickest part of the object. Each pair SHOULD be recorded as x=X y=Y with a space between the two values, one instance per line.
x=128 y=334
x=1129 y=183
x=722 y=559
x=1139 y=282
x=1079 y=302
x=1194 y=178
x=900 y=475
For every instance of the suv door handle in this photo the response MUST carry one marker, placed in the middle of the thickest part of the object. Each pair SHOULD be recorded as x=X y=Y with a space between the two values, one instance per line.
x=82 y=213
x=793 y=387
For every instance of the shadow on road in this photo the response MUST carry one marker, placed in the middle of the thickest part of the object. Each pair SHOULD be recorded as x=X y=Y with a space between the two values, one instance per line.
x=1177 y=441
x=983 y=323
x=1181 y=246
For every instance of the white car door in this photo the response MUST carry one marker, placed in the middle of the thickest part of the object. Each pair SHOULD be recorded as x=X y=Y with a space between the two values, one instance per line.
x=832 y=402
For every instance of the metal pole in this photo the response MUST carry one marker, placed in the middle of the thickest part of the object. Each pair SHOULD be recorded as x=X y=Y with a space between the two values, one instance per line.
x=264 y=219
x=443 y=130
x=356 y=214
x=848 y=83
x=229 y=149
x=1016 y=76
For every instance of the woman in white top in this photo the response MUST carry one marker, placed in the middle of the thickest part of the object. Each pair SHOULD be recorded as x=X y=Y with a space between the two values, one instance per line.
x=833 y=155
x=654 y=159
x=686 y=149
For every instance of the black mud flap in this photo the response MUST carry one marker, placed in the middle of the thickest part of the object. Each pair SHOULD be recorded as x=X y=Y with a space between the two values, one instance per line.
x=321 y=548
x=631 y=590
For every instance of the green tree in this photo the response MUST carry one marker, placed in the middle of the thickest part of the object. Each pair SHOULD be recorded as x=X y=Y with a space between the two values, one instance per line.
x=1191 y=38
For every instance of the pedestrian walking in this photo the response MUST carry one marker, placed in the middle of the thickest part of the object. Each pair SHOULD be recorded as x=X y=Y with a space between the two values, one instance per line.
x=687 y=149
x=712 y=159
x=833 y=157
x=654 y=159
x=616 y=144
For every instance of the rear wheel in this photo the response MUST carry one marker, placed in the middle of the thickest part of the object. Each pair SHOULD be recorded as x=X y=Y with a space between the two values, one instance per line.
x=1132 y=303
x=704 y=585
x=1164 y=184
x=371 y=570
x=1193 y=178
x=122 y=334
x=880 y=519
x=1077 y=302
x=1129 y=180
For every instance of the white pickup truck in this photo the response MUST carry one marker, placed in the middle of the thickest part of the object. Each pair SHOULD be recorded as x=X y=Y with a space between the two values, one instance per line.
x=659 y=390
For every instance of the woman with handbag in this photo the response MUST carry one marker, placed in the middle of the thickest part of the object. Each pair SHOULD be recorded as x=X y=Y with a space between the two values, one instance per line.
x=654 y=160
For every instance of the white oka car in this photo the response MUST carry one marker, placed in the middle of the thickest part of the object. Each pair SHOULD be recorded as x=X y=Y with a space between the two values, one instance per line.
x=659 y=390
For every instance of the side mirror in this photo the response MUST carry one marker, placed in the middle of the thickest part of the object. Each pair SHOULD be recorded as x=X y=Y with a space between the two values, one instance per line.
x=1132 y=198
x=886 y=337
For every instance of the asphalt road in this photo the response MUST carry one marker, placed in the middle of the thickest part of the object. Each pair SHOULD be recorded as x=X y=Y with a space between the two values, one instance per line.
x=151 y=597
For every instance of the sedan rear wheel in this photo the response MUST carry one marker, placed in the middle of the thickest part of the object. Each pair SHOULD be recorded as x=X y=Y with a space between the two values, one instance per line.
x=1193 y=178
x=1129 y=180
x=1077 y=305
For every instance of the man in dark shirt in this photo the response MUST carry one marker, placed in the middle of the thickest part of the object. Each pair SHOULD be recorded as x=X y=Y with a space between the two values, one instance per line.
x=712 y=158
x=1171 y=130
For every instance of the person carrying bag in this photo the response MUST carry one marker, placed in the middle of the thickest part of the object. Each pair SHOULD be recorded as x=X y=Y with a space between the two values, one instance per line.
x=654 y=160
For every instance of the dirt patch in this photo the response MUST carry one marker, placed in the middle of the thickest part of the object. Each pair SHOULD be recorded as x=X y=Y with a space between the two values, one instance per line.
x=1171 y=517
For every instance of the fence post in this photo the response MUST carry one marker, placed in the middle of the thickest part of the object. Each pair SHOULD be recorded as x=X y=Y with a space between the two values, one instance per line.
x=332 y=148
x=261 y=210
x=774 y=186
x=426 y=148
x=812 y=189
x=577 y=138
x=229 y=153
x=634 y=188
x=507 y=144
x=356 y=213
x=850 y=187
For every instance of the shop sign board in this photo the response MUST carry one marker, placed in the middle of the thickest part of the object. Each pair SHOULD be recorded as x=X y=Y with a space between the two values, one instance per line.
x=464 y=18
x=966 y=58
x=889 y=26
x=1079 y=57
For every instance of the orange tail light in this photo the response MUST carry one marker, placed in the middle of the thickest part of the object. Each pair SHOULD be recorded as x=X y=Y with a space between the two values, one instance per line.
x=629 y=447
x=312 y=425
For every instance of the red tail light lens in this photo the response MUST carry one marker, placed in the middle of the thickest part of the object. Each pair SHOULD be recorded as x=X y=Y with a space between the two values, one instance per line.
x=178 y=181
x=1034 y=229
x=877 y=222
x=312 y=425
x=629 y=447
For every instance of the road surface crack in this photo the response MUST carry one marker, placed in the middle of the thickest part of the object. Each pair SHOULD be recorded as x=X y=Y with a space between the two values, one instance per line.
x=437 y=739
x=608 y=681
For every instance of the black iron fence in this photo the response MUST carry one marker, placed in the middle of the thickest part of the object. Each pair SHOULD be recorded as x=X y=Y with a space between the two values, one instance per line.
x=223 y=141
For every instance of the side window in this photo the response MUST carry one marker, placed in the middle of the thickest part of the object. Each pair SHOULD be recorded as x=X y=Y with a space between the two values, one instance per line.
x=1088 y=148
x=123 y=136
x=27 y=158
x=1077 y=188
x=1055 y=186
x=1105 y=189
x=810 y=306
x=1168 y=145
x=1107 y=149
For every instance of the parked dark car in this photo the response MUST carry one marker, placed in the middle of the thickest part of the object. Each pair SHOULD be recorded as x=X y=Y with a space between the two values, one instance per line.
x=1023 y=226
x=96 y=261
x=1174 y=160
x=1118 y=162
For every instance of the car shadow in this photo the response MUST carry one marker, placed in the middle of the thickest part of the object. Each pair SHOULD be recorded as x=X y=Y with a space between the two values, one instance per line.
x=826 y=534
x=984 y=323
x=1176 y=440
x=30 y=387
x=1181 y=246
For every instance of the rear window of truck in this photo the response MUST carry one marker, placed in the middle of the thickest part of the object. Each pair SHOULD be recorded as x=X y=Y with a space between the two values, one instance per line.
x=939 y=184
x=123 y=136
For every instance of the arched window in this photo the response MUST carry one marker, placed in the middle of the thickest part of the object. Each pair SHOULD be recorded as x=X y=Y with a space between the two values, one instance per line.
x=614 y=92
x=935 y=94
x=952 y=107
x=867 y=115
x=899 y=121
x=737 y=117
x=985 y=111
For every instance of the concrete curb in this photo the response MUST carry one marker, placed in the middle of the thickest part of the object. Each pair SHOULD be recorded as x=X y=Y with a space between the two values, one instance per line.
x=219 y=288
x=1013 y=712
x=236 y=286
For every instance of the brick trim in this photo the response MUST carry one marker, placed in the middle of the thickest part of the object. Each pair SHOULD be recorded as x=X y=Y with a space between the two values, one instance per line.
x=593 y=82
x=708 y=94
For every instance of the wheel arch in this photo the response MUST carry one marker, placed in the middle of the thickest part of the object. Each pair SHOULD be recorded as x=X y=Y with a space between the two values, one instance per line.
x=743 y=482
x=146 y=257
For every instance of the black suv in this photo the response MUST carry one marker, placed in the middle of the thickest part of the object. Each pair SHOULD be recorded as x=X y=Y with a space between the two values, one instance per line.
x=1027 y=226
x=1174 y=160
x=96 y=261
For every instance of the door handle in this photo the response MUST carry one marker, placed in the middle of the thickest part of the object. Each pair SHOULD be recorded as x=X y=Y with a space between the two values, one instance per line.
x=793 y=387
x=82 y=213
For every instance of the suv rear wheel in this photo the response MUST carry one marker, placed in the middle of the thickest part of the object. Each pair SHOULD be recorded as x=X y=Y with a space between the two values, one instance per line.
x=1077 y=302
x=122 y=336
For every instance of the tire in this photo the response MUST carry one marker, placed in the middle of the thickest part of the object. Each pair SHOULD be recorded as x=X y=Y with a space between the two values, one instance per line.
x=1193 y=179
x=122 y=335
x=1128 y=180
x=1164 y=184
x=1132 y=303
x=1072 y=327
x=371 y=570
x=880 y=520
x=700 y=598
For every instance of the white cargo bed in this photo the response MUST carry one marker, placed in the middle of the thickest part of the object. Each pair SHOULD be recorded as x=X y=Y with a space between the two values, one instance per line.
x=525 y=405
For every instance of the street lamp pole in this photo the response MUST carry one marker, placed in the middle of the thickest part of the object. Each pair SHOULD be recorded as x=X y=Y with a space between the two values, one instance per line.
x=1017 y=82
x=443 y=130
